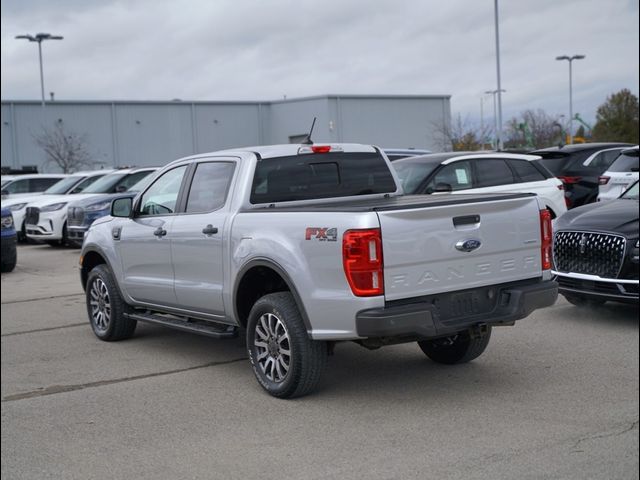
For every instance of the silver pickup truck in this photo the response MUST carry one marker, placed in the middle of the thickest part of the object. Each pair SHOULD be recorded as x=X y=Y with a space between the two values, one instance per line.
x=303 y=246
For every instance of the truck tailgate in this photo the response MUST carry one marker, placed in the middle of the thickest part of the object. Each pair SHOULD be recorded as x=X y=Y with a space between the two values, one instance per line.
x=453 y=246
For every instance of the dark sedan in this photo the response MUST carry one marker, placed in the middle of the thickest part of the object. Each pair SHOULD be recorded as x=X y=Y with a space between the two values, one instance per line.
x=595 y=251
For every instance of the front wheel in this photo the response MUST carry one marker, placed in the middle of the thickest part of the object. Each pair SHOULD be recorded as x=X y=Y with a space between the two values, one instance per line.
x=106 y=307
x=286 y=362
x=459 y=348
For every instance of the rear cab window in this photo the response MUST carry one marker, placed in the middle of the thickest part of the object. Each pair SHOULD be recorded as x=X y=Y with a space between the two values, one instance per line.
x=320 y=175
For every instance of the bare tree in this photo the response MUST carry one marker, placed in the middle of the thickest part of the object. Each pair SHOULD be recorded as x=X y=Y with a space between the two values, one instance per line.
x=533 y=129
x=461 y=135
x=65 y=149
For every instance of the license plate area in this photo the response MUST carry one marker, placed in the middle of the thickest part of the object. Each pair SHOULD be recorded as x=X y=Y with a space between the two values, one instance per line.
x=463 y=305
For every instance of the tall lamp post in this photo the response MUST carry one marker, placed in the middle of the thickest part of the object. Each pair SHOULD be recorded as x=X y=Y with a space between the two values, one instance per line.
x=40 y=37
x=495 y=116
x=570 y=60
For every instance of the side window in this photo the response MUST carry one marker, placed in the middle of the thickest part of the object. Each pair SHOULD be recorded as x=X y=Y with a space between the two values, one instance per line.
x=210 y=186
x=452 y=177
x=492 y=172
x=526 y=171
x=161 y=197
x=603 y=160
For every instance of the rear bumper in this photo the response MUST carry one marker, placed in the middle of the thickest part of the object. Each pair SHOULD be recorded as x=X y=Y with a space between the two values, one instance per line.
x=424 y=319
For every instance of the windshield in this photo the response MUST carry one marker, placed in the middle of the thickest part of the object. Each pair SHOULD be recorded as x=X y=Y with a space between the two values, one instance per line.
x=632 y=193
x=63 y=186
x=105 y=184
x=412 y=174
x=141 y=185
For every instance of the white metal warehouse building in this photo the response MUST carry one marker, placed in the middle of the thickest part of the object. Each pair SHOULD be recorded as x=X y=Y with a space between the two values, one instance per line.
x=141 y=133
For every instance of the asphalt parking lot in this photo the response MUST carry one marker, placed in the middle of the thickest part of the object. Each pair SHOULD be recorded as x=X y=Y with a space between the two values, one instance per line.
x=556 y=396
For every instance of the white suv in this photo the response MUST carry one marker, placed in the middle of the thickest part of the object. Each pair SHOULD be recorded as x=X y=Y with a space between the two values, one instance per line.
x=620 y=175
x=480 y=172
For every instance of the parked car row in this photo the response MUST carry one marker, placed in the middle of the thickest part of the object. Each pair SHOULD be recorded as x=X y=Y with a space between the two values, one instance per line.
x=42 y=216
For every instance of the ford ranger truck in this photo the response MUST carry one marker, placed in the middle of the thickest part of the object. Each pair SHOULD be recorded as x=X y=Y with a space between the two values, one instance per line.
x=303 y=246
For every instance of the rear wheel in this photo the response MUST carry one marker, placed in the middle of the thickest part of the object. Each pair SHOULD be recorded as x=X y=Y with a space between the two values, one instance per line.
x=286 y=362
x=460 y=348
x=106 y=307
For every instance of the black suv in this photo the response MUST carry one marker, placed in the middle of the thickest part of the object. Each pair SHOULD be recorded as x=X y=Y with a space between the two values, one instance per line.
x=579 y=167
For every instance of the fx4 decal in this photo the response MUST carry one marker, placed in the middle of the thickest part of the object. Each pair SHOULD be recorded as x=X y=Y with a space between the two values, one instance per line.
x=321 y=234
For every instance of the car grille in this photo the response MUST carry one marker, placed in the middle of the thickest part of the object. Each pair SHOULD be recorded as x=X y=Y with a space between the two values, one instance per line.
x=32 y=216
x=598 y=254
x=75 y=216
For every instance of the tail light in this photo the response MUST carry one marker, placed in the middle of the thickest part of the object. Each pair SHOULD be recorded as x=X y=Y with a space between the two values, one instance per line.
x=362 y=261
x=546 y=235
x=570 y=180
x=602 y=180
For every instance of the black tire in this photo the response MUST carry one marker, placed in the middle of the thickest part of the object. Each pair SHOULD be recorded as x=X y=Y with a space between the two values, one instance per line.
x=106 y=307
x=275 y=318
x=583 y=301
x=9 y=263
x=458 y=349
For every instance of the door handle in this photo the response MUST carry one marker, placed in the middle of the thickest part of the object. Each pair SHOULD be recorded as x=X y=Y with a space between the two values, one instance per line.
x=160 y=232
x=210 y=230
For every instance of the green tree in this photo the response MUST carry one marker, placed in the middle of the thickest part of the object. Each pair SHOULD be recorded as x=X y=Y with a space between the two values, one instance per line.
x=617 y=119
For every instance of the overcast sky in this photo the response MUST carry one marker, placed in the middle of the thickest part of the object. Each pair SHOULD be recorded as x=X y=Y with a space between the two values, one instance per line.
x=263 y=50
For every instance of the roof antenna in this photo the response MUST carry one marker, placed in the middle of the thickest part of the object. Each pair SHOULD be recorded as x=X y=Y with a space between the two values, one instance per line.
x=307 y=140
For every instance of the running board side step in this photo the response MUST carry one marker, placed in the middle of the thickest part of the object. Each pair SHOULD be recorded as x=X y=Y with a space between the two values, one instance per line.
x=214 y=330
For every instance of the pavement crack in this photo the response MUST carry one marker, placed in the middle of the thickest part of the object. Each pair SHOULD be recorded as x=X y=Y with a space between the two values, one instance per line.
x=42 y=298
x=616 y=433
x=48 y=329
x=56 y=389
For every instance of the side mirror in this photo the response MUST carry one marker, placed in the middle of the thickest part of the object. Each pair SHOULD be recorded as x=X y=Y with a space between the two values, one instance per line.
x=121 y=188
x=121 y=207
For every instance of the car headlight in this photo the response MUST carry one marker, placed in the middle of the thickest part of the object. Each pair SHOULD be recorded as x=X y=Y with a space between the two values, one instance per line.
x=17 y=206
x=53 y=207
x=7 y=222
x=98 y=206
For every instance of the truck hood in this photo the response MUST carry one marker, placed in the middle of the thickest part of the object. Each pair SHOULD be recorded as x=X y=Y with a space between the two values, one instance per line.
x=619 y=216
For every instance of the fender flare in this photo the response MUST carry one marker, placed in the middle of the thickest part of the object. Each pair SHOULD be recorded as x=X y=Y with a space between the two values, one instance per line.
x=265 y=262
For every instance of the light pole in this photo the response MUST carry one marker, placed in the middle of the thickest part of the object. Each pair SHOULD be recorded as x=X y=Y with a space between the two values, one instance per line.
x=570 y=60
x=495 y=116
x=39 y=37
x=499 y=84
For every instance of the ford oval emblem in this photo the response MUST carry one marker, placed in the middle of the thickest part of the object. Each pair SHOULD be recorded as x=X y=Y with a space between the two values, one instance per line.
x=468 y=245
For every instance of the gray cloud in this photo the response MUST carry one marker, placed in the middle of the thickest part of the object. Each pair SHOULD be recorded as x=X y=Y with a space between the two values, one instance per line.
x=230 y=50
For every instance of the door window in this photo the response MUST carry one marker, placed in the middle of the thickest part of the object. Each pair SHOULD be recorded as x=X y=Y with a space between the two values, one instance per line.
x=210 y=186
x=452 y=177
x=162 y=196
x=526 y=171
x=492 y=172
